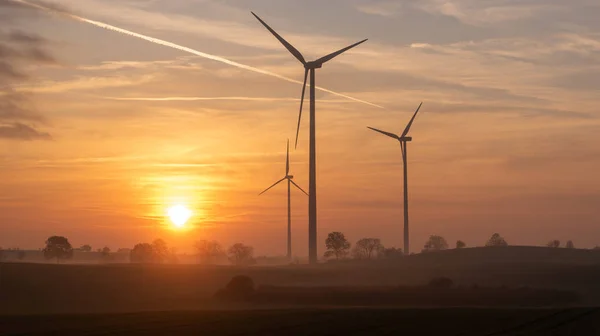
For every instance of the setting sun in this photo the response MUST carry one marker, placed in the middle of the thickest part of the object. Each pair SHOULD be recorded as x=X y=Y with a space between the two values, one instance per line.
x=179 y=215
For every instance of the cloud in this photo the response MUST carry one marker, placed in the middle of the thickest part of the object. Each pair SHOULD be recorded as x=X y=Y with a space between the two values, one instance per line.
x=19 y=131
x=485 y=13
x=19 y=50
x=382 y=8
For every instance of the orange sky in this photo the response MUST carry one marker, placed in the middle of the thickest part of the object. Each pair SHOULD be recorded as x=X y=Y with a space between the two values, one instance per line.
x=507 y=140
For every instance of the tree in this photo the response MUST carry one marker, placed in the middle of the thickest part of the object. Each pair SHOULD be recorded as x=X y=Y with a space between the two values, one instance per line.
x=240 y=254
x=391 y=253
x=105 y=252
x=85 y=248
x=570 y=245
x=435 y=243
x=460 y=244
x=496 y=240
x=142 y=253
x=337 y=245
x=161 y=250
x=554 y=243
x=208 y=250
x=367 y=248
x=58 y=247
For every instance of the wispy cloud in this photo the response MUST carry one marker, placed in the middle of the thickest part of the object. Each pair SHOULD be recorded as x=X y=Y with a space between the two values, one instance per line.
x=19 y=131
x=18 y=50
x=483 y=13
x=381 y=8
x=186 y=49
x=85 y=83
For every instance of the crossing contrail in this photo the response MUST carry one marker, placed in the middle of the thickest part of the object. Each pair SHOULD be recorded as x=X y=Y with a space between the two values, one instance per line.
x=182 y=48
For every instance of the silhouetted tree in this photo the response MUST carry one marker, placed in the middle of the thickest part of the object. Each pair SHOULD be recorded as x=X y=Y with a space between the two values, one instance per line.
x=337 y=245
x=208 y=250
x=391 y=252
x=570 y=245
x=240 y=254
x=554 y=243
x=435 y=243
x=460 y=244
x=105 y=253
x=161 y=250
x=496 y=240
x=367 y=248
x=85 y=248
x=240 y=287
x=142 y=253
x=58 y=247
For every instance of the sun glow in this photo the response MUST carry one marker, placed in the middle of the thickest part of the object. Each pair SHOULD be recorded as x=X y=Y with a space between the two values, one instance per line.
x=179 y=215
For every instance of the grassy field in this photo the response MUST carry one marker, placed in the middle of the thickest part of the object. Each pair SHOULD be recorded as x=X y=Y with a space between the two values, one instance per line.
x=414 y=322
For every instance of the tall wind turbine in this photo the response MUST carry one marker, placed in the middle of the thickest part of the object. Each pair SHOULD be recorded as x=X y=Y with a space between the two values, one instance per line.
x=309 y=67
x=290 y=181
x=403 y=139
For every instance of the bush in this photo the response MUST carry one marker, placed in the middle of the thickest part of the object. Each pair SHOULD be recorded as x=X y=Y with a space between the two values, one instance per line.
x=441 y=282
x=239 y=288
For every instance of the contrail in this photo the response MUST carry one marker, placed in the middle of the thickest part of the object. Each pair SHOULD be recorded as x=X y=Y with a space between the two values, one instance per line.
x=257 y=99
x=182 y=48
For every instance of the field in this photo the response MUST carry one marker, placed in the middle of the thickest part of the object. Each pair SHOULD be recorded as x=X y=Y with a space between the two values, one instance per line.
x=178 y=299
x=414 y=322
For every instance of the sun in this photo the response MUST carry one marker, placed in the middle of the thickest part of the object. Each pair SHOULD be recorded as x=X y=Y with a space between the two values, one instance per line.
x=179 y=215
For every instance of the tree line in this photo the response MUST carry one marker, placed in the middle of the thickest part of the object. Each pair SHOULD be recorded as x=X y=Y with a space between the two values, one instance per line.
x=210 y=251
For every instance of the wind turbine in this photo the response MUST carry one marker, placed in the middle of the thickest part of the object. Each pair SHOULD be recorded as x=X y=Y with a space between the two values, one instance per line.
x=403 y=139
x=309 y=67
x=290 y=181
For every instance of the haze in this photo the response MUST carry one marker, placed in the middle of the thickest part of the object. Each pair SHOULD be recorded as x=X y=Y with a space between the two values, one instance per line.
x=110 y=130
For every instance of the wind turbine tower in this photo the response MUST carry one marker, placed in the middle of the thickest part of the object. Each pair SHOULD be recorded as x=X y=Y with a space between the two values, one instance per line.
x=309 y=69
x=403 y=139
x=290 y=181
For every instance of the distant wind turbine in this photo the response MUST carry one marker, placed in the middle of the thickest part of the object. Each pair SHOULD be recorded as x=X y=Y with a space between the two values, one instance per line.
x=309 y=67
x=290 y=181
x=403 y=139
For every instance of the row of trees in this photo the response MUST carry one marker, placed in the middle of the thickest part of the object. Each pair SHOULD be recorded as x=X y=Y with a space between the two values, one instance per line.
x=338 y=247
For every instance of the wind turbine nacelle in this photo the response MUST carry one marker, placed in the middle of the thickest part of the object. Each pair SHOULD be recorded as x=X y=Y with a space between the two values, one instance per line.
x=290 y=176
x=406 y=139
x=313 y=65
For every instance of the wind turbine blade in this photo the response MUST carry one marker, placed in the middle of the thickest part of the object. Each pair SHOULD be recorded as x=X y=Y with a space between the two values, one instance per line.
x=301 y=104
x=287 y=159
x=285 y=43
x=332 y=55
x=274 y=184
x=391 y=135
x=297 y=186
x=411 y=121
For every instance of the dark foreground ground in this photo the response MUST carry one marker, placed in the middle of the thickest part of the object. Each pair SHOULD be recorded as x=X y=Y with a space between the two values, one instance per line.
x=349 y=321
